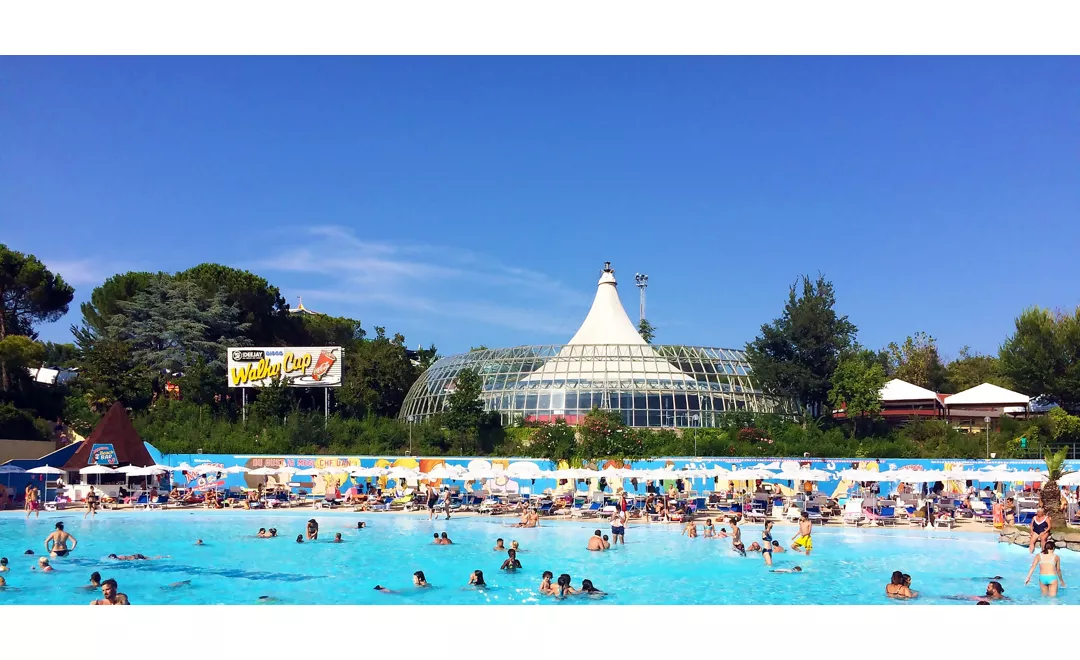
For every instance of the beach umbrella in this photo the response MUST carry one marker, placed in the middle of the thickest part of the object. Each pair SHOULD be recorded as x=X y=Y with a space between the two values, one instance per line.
x=46 y=469
x=236 y=469
x=98 y=469
x=444 y=472
x=868 y=475
x=128 y=469
x=307 y=472
x=1070 y=479
x=205 y=469
x=750 y=474
x=805 y=475
x=523 y=470
x=8 y=470
x=263 y=472
x=916 y=476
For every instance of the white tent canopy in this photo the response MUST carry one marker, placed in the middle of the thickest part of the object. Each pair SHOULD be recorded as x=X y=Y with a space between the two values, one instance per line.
x=867 y=475
x=97 y=469
x=987 y=395
x=898 y=390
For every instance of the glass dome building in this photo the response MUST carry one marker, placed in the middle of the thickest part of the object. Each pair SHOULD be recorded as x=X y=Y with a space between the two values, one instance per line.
x=606 y=364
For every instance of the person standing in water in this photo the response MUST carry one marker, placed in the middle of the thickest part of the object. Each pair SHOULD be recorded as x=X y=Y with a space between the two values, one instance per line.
x=432 y=500
x=767 y=543
x=110 y=596
x=32 y=504
x=736 y=537
x=312 y=530
x=802 y=540
x=59 y=540
x=618 y=523
x=1049 y=570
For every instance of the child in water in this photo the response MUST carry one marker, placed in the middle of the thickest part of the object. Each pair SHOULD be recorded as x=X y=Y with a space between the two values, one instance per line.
x=710 y=531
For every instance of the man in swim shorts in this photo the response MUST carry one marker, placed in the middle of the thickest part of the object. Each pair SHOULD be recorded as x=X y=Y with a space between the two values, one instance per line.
x=618 y=526
x=802 y=542
x=736 y=537
x=59 y=539
x=432 y=500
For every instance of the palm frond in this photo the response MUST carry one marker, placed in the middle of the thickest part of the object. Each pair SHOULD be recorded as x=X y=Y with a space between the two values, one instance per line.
x=1055 y=463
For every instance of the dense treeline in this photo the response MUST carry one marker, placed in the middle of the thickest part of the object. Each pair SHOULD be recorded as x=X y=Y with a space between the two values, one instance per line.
x=140 y=332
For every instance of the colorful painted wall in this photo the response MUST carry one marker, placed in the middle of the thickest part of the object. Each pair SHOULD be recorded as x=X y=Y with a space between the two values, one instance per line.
x=343 y=481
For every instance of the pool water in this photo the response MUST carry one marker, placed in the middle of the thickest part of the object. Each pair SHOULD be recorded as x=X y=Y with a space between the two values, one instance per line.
x=657 y=566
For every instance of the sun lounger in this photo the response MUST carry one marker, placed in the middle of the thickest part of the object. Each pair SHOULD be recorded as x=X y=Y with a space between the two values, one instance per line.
x=853 y=513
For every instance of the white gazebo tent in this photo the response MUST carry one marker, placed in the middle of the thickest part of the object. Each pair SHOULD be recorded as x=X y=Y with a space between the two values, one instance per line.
x=986 y=400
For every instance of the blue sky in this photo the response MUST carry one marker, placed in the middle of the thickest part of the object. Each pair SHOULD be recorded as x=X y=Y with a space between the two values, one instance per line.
x=467 y=201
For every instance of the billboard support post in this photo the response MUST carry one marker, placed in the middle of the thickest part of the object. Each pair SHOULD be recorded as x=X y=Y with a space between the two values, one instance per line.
x=243 y=404
x=326 y=407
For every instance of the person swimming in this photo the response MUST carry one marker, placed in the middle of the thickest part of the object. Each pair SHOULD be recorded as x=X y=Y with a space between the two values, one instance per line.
x=596 y=542
x=337 y=538
x=198 y=542
x=299 y=538
x=383 y=590
x=268 y=599
x=4 y=565
x=135 y=557
x=710 y=531
x=312 y=530
x=262 y=533
x=43 y=562
x=896 y=587
x=445 y=540
x=477 y=579
x=588 y=589
x=564 y=589
x=361 y=525
x=796 y=569
x=95 y=581
x=110 y=596
x=419 y=579
x=736 y=537
x=499 y=547
x=511 y=563
x=184 y=583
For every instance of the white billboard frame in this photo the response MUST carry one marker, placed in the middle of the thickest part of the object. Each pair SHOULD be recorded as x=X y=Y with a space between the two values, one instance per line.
x=298 y=366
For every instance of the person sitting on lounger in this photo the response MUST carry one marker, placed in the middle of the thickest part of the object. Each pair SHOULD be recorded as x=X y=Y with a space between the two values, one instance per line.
x=596 y=542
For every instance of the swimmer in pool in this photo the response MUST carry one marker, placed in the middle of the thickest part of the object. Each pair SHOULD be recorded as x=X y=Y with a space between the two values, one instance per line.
x=3 y=565
x=445 y=540
x=198 y=542
x=596 y=542
x=361 y=525
x=299 y=538
x=994 y=591
x=135 y=557
x=95 y=581
x=546 y=588
x=419 y=579
x=263 y=534
x=499 y=547
x=273 y=532
x=59 y=540
x=797 y=569
x=511 y=563
x=312 y=530
x=564 y=589
x=588 y=589
x=43 y=562
x=477 y=579
x=3 y=583
x=710 y=531
x=337 y=538
x=268 y=599
x=736 y=537
x=383 y=590
x=110 y=596
x=184 y=583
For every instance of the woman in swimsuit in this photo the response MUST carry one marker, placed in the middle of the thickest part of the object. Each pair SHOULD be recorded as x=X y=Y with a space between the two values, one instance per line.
x=588 y=589
x=312 y=530
x=564 y=589
x=1040 y=530
x=477 y=579
x=767 y=543
x=896 y=587
x=710 y=531
x=1049 y=570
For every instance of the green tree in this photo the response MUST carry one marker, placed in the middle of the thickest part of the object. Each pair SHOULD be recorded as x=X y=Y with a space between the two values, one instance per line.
x=324 y=330
x=18 y=352
x=272 y=402
x=109 y=373
x=29 y=294
x=171 y=324
x=856 y=386
x=465 y=408
x=796 y=355
x=970 y=369
x=378 y=376
x=646 y=330
x=1050 y=495
x=202 y=385
x=555 y=441
x=261 y=308
x=916 y=361
x=1042 y=357
x=60 y=355
x=105 y=299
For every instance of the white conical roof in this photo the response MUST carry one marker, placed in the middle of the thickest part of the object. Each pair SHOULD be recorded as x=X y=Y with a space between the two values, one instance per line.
x=989 y=395
x=607 y=347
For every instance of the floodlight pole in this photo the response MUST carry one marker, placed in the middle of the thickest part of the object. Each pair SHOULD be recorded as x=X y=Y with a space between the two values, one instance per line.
x=987 y=421
x=642 y=282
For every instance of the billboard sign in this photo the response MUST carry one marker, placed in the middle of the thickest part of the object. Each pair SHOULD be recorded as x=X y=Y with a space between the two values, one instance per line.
x=102 y=455
x=318 y=366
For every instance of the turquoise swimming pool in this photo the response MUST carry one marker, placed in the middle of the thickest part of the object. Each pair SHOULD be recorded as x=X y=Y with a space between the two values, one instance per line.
x=657 y=566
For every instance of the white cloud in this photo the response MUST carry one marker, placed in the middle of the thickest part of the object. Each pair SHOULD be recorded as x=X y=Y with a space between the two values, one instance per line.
x=427 y=280
x=81 y=272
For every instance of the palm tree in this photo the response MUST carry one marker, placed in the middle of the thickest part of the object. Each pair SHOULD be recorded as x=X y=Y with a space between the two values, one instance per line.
x=1051 y=493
